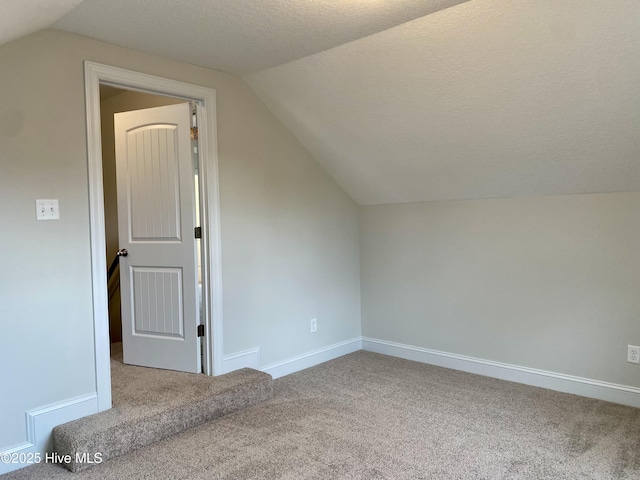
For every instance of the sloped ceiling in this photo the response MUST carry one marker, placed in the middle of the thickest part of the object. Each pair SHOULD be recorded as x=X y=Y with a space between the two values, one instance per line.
x=22 y=17
x=240 y=36
x=409 y=100
x=490 y=98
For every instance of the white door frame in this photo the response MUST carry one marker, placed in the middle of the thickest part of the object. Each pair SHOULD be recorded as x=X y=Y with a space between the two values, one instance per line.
x=96 y=74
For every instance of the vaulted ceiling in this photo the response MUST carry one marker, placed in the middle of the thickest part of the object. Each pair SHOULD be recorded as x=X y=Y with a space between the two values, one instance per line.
x=413 y=100
x=21 y=17
x=240 y=36
x=490 y=98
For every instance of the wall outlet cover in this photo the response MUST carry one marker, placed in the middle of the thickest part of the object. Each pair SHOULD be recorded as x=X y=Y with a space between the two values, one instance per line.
x=633 y=354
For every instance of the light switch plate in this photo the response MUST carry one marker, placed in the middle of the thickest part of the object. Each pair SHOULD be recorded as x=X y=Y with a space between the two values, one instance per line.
x=47 y=209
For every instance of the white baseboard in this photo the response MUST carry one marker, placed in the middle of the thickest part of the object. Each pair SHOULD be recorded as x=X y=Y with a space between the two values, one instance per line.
x=245 y=359
x=295 y=364
x=560 y=382
x=40 y=423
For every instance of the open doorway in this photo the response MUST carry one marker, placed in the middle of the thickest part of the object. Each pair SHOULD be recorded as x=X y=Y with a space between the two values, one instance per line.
x=115 y=100
x=204 y=99
x=152 y=210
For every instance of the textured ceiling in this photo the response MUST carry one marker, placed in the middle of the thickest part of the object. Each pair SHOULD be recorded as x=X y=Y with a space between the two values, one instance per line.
x=490 y=98
x=239 y=36
x=21 y=17
x=409 y=100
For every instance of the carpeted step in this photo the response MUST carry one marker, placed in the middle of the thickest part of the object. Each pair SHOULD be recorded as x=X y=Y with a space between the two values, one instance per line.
x=165 y=404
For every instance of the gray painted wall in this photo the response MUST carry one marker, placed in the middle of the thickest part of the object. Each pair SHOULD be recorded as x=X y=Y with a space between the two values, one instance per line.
x=289 y=233
x=549 y=282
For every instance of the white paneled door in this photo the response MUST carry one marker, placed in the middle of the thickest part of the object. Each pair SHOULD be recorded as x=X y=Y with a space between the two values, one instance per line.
x=156 y=221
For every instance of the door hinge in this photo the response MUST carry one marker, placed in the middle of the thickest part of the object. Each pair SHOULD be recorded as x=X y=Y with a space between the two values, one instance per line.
x=194 y=133
x=197 y=232
x=201 y=330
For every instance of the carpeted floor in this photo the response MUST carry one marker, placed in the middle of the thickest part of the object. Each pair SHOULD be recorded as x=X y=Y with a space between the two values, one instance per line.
x=368 y=416
x=132 y=387
x=150 y=404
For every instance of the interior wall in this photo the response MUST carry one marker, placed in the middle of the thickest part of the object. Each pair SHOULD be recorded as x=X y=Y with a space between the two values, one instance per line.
x=123 y=102
x=289 y=233
x=548 y=282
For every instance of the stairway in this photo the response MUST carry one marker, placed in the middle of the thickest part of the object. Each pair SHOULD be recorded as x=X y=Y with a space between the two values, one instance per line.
x=150 y=405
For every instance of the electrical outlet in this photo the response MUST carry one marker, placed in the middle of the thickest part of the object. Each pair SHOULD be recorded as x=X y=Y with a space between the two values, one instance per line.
x=633 y=354
x=314 y=325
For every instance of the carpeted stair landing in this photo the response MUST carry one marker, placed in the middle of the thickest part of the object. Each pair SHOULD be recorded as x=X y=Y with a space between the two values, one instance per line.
x=150 y=405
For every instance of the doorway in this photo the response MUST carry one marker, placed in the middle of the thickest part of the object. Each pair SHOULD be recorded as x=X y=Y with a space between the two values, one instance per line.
x=114 y=82
x=151 y=197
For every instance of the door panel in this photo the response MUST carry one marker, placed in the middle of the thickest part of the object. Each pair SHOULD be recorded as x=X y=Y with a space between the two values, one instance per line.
x=156 y=218
x=154 y=189
x=158 y=303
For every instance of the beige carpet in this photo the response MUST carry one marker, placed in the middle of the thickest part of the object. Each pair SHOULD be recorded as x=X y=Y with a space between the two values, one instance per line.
x=151 y=404
x=368 y=416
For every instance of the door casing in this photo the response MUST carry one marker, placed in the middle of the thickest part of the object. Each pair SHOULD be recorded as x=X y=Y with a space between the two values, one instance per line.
x=95 y=75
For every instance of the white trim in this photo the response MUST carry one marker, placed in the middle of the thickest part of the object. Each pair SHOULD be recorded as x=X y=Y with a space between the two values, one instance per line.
x=96 y=74
x=313 y=358
x=97 y=241
x=212 y=240
x=610 y=392
x=40 y=423
x=245 y=359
